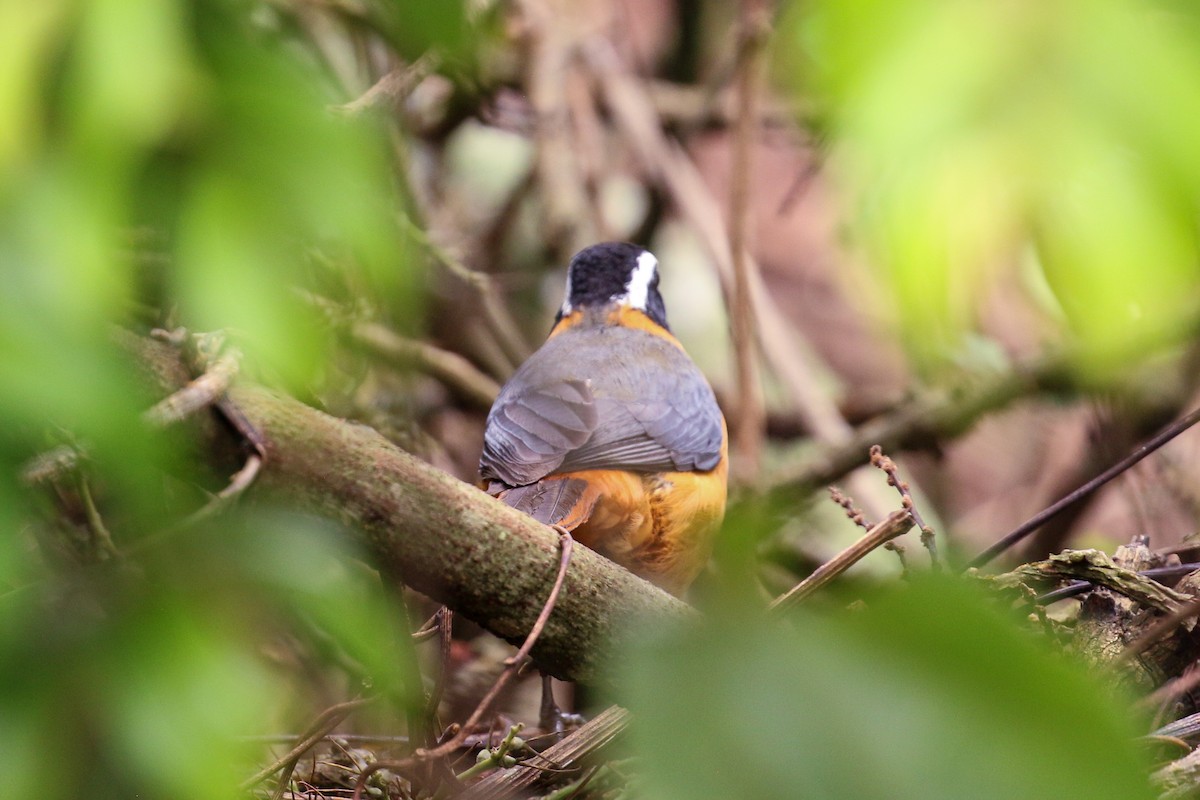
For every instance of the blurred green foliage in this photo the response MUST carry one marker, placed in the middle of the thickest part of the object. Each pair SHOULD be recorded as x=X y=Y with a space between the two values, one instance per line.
x=926 y=692
x=167 y=162
x=978 y=137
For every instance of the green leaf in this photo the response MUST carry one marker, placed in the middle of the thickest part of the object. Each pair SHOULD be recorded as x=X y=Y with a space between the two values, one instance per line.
x=930 y=692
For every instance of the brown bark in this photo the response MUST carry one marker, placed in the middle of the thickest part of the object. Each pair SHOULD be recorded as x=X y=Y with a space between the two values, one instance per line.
x=437 y=534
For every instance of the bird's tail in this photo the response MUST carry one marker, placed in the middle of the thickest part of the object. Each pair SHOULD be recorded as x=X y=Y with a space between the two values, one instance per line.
x=564 y=501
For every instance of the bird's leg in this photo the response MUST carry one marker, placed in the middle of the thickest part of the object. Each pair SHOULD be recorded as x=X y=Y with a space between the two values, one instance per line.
x=550 y=716
x=552 y=719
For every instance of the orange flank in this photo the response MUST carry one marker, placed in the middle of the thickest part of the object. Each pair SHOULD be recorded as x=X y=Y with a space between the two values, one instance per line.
x=658 y=525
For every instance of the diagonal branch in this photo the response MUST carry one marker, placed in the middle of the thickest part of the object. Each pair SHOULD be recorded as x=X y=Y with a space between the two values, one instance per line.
x=896 y=524
x=435 y=533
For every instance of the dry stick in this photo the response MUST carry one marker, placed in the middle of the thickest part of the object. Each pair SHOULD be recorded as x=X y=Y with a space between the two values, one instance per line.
x=329 y=719
x=750 y=422
x=881 y=461
x=1158 y=440
x=896 y=524
x=512 y=667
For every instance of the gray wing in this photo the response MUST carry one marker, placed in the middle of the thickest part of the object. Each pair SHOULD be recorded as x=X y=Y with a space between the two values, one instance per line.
x=532 y=428
x=610 y=398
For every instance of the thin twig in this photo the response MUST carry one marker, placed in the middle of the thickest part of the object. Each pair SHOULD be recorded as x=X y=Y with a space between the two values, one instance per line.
x=392 y=89
x=881 y=461
x=456 y=372
x=249 y=432
x=688 y=107
x=575 y=787
x=901 y=555
x=854 y=513
x=917 y=422
x=512 y=667
x=239 y=483
x=1158 y=440
x=329 y=719
x=896 y=524
x=430 y=627
x=799 y=183
x=501 y=323
x=347 y=738
x=214 y=366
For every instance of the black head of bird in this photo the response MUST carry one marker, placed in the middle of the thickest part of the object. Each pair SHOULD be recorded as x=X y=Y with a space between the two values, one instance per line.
x=614 y=272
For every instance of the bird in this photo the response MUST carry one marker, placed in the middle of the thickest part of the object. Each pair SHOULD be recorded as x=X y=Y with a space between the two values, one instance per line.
x=609 y=430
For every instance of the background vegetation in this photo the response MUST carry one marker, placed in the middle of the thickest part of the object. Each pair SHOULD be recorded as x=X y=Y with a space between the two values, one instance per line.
x=963 y=230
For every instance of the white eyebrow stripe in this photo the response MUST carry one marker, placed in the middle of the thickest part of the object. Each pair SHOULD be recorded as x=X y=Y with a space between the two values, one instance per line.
x=638 y=290
x=566 y=306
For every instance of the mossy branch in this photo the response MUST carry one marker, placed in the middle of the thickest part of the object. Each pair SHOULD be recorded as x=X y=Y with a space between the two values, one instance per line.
x=435 y=533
